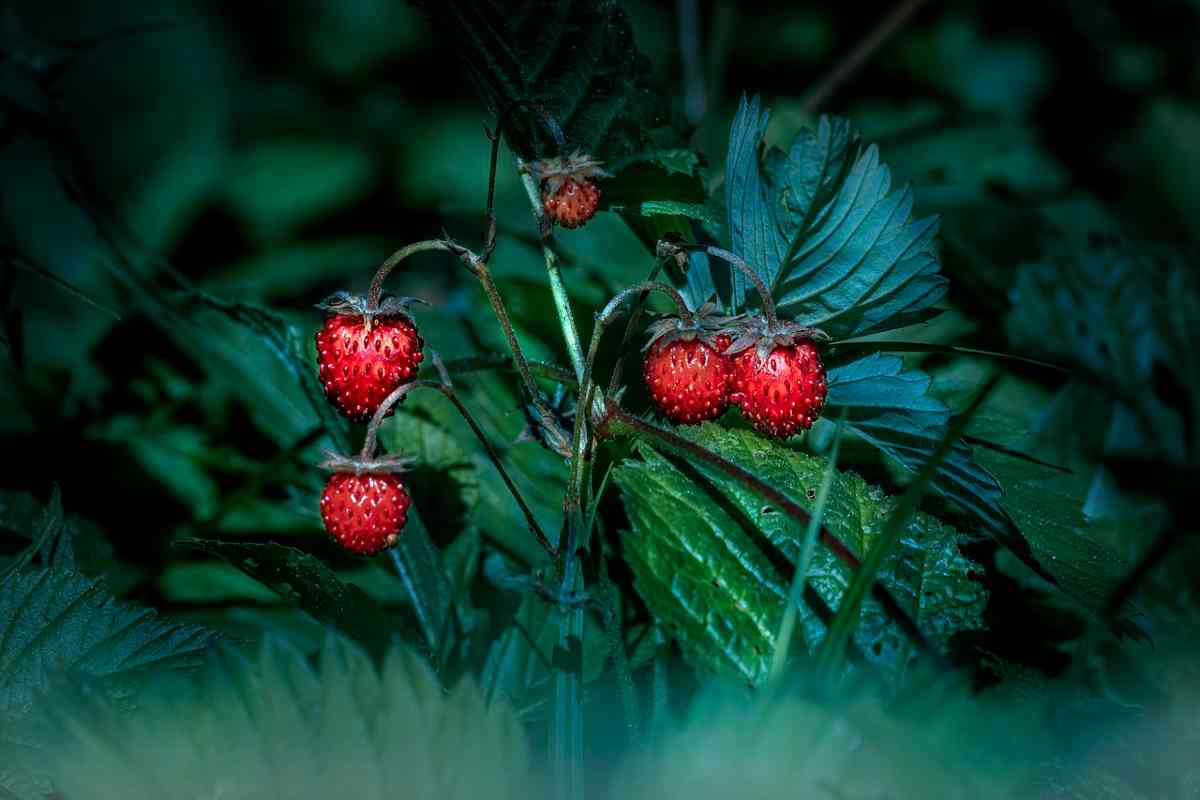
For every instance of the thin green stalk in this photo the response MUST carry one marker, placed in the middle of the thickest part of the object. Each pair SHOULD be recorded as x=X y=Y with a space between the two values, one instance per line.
x=562 y=303
x=783 y=641
x=833 y=649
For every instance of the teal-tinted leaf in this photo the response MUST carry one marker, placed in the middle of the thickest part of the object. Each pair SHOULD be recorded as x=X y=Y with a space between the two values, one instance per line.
x=892 y=409
x=705 y=555
x=753 y=232
x=838 y=248
x=1046 y=502
x=274 y=720
x=44 y=527
x=304 y=580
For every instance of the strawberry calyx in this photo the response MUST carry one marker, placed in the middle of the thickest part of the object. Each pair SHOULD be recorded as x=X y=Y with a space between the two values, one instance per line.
x=765 y=335
x=554 y=172
x=387 y=464
x=704 y=325
x=344 y=303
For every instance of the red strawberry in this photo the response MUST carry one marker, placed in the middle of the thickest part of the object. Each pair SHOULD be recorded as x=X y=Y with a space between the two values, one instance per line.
x=362 y=357
x=779 y=380
x=689 y=378
x=365 y=513
x=572 y=203
x=568 y=187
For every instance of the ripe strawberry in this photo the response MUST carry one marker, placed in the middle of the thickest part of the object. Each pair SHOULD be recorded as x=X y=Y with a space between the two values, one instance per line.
x=778 y=379
x=689 y=378
x=686 y=369
x=362 y=357
x=568 y=188
x=572 y=203
x=365 y=513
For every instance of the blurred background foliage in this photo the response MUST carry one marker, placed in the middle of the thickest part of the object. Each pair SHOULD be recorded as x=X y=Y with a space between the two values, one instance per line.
x=171 y=168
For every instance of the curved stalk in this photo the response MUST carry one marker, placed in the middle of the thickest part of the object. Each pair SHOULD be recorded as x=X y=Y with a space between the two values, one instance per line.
x=583 y=409
x=375 y=293
x=372 y=439
x=614 y=381
x=768 y=303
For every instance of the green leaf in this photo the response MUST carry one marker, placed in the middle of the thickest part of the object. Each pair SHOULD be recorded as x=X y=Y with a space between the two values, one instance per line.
x=273 y=720
x=836 y=246
x=706 y=557
x=284 y=341
x=578 y=59
x=305 y=581
x=893 y=410
x=57 y=622
x=56 y=627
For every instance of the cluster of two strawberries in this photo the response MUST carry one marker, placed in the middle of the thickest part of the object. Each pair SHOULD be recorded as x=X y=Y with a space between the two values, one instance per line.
x=770 y=369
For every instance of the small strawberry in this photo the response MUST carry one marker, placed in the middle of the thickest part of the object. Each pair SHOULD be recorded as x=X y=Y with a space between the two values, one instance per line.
x=686 y=369
x=365 y=513
x=568 y=188
x=778 y=378
x=363 y=355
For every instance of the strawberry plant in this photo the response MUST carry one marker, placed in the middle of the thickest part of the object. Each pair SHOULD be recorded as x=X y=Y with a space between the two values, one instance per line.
x=701 y=403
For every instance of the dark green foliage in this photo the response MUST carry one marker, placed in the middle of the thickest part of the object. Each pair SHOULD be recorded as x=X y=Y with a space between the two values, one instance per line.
x=995 y=195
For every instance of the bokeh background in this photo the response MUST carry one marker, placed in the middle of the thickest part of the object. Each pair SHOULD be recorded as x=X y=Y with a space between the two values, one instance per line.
x=268 y=154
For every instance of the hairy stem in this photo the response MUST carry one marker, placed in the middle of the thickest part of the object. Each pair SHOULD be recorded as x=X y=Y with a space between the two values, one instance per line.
x=588 y=385
x=541 y=369
x=481 y=270
x=768 y=303
x=375 y=293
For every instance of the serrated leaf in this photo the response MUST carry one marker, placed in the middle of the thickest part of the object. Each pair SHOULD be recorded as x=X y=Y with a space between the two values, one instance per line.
x=275 y=723
x=305 y=581
x=705 y=556
x=57 y=621
x=823 y=229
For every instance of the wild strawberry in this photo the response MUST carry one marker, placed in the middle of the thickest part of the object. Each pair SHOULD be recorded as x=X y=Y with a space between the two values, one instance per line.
x=778 y=378
x=364 y=355
x=568 y=188
x=686 y=369
x=365 y=513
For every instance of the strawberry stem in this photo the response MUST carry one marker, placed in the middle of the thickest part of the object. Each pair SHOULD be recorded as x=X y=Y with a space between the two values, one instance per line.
x=375 y=293
x=371 y=443
x=667 y=247
x=768 y=303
